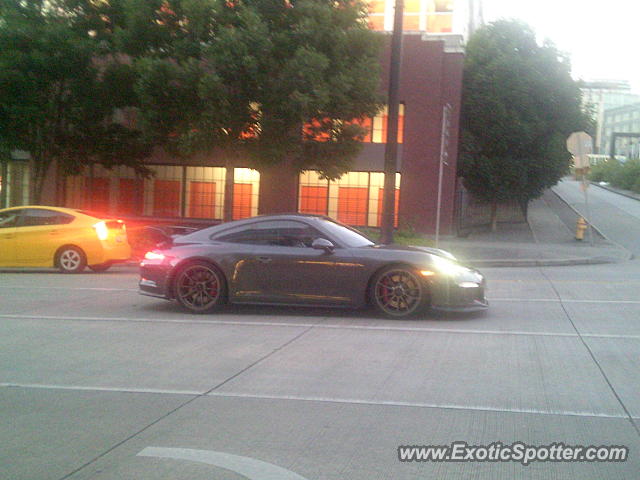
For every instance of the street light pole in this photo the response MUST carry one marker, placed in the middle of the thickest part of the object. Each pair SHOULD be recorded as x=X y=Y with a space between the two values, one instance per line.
x=391 y=147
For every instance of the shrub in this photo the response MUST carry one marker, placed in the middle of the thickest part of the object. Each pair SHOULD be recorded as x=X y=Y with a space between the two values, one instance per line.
x=636 y=186
x=627 y=175
x=605 y=171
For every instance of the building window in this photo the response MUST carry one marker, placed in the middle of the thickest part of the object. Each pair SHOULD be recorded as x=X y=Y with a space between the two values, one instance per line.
x=196 y=192
x=352 y=205
x=15 y=184
x=166 y=198
x=433 y=16
x=205 y=192
x=356 y=198
x=379 y=126
x=245 y=193
x=130 y=196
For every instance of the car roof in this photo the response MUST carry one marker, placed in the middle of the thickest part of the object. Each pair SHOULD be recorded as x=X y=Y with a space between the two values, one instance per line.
x=69 y=211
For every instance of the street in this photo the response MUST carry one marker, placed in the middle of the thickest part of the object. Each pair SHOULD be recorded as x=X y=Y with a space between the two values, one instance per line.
x=98 y=382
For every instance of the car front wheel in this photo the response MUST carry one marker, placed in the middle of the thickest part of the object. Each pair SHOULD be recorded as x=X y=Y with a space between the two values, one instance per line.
x=397 y=292
x=200 y=287
x=71 y=260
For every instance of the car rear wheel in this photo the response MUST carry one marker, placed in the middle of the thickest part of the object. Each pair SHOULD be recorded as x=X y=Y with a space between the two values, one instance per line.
x=200 y=287
x=71 y=260
x=397 y=292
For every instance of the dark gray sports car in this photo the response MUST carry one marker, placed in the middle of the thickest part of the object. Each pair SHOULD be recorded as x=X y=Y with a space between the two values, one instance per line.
x=306 y=260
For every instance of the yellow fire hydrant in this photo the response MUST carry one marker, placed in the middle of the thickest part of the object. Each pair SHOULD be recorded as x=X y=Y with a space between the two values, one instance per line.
x=581 y=226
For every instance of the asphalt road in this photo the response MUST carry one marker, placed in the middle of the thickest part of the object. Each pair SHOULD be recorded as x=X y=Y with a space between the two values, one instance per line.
x=98 y=382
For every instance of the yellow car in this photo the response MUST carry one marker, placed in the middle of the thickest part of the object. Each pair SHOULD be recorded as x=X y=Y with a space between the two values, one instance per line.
x=68 y=239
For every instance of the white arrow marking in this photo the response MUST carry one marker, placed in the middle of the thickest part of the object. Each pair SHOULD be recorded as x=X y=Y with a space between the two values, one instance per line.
x=249 y=467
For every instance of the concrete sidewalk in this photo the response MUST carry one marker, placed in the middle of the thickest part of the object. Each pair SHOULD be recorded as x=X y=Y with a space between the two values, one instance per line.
x=547 y=240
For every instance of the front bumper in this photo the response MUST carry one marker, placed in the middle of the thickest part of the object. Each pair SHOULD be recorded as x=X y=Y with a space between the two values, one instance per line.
x=464 y=293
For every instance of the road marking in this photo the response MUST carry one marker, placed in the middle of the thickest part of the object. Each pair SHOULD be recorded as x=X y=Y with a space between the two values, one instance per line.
x=328 y=326
x=300 y=398
x=102 y=389
x=98 y=289
x=392 y=403
x=545 y=282
x=556 y=300
x=250 y=468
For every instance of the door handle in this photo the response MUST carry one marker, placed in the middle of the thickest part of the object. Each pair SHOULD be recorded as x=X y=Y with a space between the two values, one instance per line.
x=8 y=235
x=264 y=259
x=54 y=232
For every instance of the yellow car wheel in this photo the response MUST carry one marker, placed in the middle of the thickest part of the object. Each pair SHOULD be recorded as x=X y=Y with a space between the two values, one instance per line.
x=70 y=259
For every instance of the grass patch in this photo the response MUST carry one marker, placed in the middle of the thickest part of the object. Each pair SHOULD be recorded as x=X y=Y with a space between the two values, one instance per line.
x=400 y=237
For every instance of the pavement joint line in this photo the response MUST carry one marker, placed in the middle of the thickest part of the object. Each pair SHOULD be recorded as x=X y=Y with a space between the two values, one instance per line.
x=182 y=405
x=328 y=326
x=594 y=358
x=392 y=403
x=301 y=398
x=261 y=359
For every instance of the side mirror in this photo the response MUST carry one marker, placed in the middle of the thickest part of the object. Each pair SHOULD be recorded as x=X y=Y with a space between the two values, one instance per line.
x=323 y=244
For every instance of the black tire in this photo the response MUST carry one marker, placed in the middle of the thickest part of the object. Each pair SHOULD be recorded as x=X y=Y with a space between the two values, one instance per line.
x=100 y=267
x=200 y=287
x=398 y=292
x=70 y=259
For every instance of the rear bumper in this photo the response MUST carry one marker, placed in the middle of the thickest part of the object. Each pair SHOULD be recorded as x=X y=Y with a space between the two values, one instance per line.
x=109 y=253
x=153 y=281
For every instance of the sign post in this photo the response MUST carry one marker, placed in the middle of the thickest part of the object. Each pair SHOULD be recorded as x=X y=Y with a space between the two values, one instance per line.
x=444 y=154
x=580 y=144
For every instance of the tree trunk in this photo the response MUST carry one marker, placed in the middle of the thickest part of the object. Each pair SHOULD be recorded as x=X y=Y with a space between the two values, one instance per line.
x=494 y=216
x=524 y=208
x=229 y=181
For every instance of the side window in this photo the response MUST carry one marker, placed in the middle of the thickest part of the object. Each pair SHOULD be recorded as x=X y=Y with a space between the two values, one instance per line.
x=284 y=233
x=9 y=219
x=35 y=217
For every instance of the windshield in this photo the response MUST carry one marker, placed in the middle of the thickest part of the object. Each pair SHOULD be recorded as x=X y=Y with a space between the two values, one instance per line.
x=348 y=237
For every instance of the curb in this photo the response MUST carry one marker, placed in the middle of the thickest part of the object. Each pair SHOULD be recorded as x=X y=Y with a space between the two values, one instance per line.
x=544 y=263
x=619 y=192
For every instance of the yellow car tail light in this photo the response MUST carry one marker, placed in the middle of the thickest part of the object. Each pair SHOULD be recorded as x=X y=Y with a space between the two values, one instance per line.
x=101 y=230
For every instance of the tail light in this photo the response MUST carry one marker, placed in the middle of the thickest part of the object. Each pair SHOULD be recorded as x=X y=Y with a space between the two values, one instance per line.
x=153 y=255
x=101 y=230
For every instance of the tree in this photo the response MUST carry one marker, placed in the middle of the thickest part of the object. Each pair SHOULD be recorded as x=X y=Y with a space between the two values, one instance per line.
x=60 y=93
x=519 y=105
x=271 y=80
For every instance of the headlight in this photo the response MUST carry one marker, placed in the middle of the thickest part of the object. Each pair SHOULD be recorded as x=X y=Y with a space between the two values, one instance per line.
x=447 y=267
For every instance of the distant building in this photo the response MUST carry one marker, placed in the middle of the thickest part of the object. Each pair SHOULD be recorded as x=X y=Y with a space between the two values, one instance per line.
x=603 y=95
x=625 y=119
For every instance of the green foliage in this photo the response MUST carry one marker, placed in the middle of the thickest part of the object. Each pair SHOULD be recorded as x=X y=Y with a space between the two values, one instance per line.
x=625 y=175
x=519 y=105
x=59 y=94
x=604 y=171
x=246 y=76
x=406 y=236
x=242 y=75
